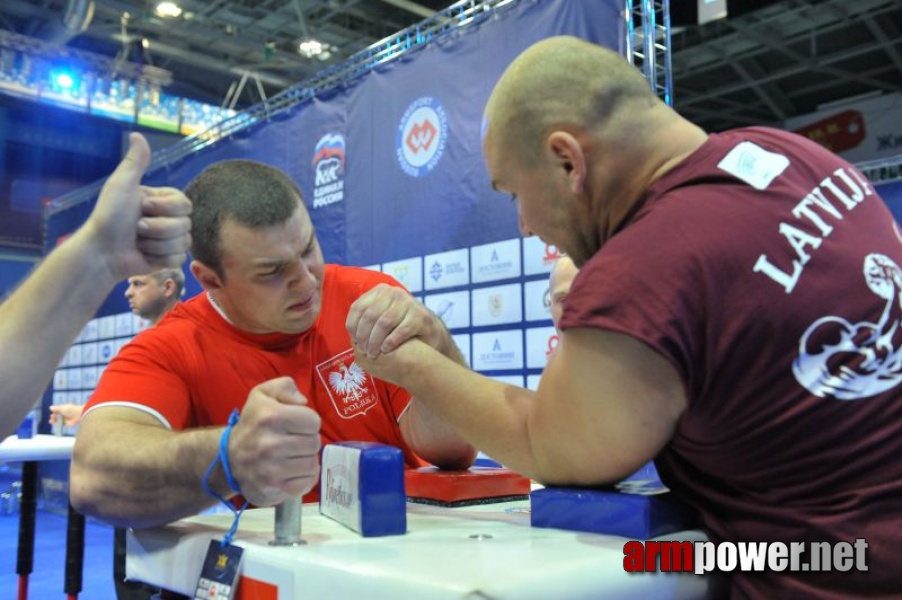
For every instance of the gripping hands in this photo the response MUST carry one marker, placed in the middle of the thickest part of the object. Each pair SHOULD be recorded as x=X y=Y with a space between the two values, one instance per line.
x=273 y=450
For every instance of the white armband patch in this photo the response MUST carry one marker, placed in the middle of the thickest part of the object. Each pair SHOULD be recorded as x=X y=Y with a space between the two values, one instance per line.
x=753 y=164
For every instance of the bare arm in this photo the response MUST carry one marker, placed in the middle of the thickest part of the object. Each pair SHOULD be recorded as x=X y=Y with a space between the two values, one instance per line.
x=606 y=405
x=131 y=230
x=69 y=414
x=129 y=470
x=381 y=320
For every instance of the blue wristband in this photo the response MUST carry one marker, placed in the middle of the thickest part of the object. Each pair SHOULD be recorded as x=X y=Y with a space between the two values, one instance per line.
x=224 y=452
x=223 y=457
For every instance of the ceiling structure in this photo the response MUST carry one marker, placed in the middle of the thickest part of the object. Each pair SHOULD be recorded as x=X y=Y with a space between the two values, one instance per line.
x=786 y=59
x=767 y=61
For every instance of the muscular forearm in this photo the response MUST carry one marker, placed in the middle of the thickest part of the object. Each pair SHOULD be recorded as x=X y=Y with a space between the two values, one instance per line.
x=140 y=474
x=430 y=435
x=42 y=318
x=487 y=414
x=434 y=439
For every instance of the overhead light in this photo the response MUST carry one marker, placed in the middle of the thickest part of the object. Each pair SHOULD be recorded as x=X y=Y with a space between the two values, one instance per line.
x=310 y=48
x=168 y=9
x=64 y=80
x=64 y=77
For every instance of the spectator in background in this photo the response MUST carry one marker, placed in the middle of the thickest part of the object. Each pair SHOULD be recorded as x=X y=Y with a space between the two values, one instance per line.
x=132 y=229
x=150 y=297
x=559 y=282
x=737 y=317
x=153 y=295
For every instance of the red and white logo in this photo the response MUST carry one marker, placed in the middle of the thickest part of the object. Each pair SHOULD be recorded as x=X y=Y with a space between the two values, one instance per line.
x=551 y=254
x=351 y=389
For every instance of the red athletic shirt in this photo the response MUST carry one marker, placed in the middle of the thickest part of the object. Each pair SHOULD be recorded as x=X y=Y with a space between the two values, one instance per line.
x=767 y=271
x=193 y=368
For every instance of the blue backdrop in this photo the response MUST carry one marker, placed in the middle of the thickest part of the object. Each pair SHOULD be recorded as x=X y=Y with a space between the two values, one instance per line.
x=390 y=167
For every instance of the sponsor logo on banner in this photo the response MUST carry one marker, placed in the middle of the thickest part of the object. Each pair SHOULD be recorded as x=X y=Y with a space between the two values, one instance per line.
x=859 y=131
x=124 y=324
x=839 y=132
x=497 y=305
x=452 y=308
x=422 y=135
x=329 y=169
x=91 y=330
x=447 y=269
x=498 y=350
x=90 y=354
x=61 y=379
x=107 y=350
x=350 y=388
x=500 y=260
x=107 y=326
x=538 y=300
x=538 y=257
x=89 y=377
x=74 y=355
x=408 y=272
x=74 y=379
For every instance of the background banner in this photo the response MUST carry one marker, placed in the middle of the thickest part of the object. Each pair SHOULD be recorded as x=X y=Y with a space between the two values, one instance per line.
x=390 y=167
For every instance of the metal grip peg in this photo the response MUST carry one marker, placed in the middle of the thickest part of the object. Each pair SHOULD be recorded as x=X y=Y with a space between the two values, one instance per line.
x=288 y=523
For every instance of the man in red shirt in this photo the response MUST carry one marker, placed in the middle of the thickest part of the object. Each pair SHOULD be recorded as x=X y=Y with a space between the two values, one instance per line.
x=737 y=317
x=150 y=297
x=267 y=337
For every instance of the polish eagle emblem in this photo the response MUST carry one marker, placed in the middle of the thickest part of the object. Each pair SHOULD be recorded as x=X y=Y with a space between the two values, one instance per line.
x=348 y=382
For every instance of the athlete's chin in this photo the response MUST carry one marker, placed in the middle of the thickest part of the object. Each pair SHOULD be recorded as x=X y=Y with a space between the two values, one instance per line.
x=299 y=323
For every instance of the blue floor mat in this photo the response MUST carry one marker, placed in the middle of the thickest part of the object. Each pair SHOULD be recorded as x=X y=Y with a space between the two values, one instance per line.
x=47 y=578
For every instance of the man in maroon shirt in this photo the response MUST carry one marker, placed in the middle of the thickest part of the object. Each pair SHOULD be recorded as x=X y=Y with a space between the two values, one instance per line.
x=736 y=318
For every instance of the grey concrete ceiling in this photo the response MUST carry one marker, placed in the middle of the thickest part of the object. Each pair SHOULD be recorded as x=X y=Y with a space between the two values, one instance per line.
x=773 y=61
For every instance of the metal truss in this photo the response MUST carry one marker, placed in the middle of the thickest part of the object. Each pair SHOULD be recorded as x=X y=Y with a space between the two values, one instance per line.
x=648 y=43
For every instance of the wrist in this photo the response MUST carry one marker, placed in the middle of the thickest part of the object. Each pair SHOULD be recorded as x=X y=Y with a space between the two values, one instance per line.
x=224 y=459
x=99 y=260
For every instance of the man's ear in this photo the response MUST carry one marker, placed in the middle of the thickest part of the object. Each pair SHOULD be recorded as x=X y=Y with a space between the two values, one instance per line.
x=168 y=287
x=208 y=278
x=568 y=153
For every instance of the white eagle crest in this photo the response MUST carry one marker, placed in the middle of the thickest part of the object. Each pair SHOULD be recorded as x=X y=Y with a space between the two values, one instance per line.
x=348 y=382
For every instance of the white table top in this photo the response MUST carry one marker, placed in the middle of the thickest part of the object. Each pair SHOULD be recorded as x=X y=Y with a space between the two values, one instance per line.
x=40 y=447
x=486 y=551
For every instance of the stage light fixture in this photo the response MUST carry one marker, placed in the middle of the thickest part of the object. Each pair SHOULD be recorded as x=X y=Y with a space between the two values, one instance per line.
x=168 y=9
x=310 y=48
x=64 y=78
